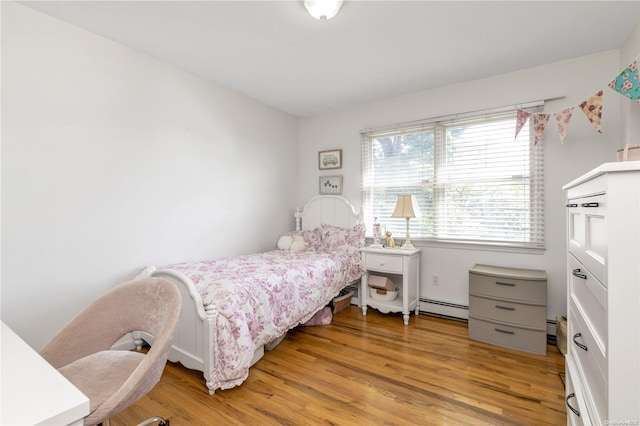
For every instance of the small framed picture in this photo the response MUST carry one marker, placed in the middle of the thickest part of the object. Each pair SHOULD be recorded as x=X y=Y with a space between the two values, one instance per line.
x=330 y=159
x=331 y=185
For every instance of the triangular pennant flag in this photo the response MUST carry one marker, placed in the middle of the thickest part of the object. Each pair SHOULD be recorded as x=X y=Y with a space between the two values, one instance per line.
x=627 y=83
x=562 y=119
x=592 y=108
x=539 y=123
x=520 y=120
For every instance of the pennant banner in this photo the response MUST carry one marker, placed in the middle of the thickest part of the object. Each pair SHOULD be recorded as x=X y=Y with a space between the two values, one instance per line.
x=539 y=123
x=520 y=120
x=562 y=120
x=627 y=83
x=592 y=108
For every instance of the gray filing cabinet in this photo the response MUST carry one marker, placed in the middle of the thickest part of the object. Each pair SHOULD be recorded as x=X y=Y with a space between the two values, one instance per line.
x=508 y=307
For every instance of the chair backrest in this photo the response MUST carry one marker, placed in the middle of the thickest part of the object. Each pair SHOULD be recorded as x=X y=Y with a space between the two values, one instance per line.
x=151 y=305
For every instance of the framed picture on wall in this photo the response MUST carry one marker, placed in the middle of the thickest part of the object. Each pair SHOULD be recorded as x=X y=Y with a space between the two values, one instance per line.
x=330 y=185
x=330 y=159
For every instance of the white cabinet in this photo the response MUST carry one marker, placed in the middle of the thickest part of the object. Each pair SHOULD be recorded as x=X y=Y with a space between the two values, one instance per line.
x=603 y=296
x=403 y=268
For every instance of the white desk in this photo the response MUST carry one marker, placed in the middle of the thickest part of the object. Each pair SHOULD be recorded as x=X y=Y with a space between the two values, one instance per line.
x=33 y=392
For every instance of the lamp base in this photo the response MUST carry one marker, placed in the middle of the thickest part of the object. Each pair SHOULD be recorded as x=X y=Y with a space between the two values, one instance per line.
x=407 y=246
x=407 y=242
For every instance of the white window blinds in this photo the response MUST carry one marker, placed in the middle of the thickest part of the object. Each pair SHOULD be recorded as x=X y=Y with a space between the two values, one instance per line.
x=474 y=182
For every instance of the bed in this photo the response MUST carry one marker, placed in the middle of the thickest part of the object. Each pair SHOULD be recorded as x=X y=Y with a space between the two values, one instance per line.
x=233 y=307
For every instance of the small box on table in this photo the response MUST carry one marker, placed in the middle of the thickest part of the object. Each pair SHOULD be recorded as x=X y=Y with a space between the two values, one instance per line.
x=382 y=283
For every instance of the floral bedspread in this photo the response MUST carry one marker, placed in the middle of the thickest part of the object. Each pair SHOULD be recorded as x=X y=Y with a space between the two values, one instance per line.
x=258 y=297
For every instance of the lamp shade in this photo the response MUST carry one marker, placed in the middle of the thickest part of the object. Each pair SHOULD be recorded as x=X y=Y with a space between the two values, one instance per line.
x=406 y=207
x=323 y=9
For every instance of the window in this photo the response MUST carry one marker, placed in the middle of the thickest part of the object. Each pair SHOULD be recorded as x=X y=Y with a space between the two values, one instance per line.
x=474 y=182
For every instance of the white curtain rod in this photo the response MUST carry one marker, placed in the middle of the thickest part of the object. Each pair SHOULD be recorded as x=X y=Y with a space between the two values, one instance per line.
x=431 y=120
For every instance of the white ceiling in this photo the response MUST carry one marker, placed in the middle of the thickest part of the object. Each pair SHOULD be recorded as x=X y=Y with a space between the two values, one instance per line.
x=275 y=52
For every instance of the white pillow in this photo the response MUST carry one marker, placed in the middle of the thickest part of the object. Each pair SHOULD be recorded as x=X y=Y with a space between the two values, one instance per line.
x=284 y=242
x=298 y=244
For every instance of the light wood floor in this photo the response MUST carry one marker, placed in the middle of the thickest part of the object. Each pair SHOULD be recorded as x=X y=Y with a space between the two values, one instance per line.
x=371 y=370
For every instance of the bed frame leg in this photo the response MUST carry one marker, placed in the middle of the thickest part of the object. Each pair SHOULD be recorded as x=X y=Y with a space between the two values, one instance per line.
x=209 y=340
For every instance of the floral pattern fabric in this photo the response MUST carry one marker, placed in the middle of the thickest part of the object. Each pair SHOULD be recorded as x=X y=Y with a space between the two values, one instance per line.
x=539 y=123
x=311 y=237
x=562 y=120
x=258 y=297
x=627 y=82
x=334 y=238
x=592 y=108
x=521 y=118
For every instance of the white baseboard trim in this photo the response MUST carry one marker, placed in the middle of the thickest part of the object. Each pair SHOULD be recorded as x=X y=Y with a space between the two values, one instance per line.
x=453 y=310
x=446 y=309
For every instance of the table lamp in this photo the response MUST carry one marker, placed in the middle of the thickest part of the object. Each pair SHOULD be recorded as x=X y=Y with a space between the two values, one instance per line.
x=407 y=207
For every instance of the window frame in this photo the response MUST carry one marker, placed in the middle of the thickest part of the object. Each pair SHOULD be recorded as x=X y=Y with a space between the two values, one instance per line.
x=536 y=242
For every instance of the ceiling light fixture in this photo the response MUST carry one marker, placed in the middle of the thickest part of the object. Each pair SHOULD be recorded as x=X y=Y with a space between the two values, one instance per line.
x=323 y=9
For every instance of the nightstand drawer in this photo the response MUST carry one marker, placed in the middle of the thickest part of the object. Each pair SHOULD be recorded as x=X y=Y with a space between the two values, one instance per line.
x=384 y=263
x=514 y=313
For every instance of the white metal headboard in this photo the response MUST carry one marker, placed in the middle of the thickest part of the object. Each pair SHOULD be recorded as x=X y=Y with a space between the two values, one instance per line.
x=327 y=210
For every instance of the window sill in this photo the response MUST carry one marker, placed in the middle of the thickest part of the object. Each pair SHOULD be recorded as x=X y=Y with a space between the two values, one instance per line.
x=471 y=245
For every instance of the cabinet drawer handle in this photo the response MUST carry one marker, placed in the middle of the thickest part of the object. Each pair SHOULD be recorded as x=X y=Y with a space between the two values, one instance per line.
x=507 y=284
x=576 y=273
x=381 y=263
x=576 y=412
x=572 y=205
x=506 y=308
x=589 y=205
x=504 y=331
x=580 y=345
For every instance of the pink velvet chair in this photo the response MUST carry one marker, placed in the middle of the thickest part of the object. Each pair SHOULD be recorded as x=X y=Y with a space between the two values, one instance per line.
x=114 y=379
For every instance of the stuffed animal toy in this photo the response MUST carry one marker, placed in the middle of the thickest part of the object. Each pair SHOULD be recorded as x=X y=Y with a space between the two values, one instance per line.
x=390 y=242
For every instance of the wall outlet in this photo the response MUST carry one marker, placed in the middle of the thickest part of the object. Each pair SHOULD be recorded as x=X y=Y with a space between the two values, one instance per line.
x=435 y=279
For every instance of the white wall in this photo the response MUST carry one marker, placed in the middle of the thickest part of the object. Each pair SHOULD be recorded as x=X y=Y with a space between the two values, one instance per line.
x=112 y=160
x=630 y=110
x=584 y=148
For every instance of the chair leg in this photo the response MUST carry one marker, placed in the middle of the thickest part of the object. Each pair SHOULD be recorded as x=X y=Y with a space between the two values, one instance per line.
x=162 y=421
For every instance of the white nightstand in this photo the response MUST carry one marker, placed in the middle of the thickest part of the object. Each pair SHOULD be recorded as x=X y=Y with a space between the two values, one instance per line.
x=400 y=266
